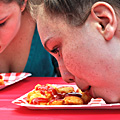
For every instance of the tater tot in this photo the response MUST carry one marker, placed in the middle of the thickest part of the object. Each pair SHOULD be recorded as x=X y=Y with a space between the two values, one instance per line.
x=65 y=89
x=73 y=100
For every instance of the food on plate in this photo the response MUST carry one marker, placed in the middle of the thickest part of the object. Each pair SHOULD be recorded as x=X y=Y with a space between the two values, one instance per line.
x=73 y=100
x=56 y=102
x=1 y=80
x=53 y=95
x=85 y=96
x=65 y=89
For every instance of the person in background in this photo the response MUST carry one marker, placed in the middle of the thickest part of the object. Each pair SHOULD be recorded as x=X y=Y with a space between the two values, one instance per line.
x=20 y=46
x=84 y=37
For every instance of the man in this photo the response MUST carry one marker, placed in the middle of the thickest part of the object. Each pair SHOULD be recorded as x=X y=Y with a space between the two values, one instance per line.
x=84 y=37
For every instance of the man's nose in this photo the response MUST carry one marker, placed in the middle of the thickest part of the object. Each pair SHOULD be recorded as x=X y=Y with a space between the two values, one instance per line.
x=66 y=75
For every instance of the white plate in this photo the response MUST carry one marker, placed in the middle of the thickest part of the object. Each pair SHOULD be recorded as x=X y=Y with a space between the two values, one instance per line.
x=93 y=104
x=11 y=78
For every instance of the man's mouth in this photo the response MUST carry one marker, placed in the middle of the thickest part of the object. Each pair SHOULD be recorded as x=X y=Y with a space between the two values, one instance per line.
x=86 y=89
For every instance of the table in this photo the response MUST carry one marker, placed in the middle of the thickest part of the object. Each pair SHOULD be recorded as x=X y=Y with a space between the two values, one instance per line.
x=9 y=111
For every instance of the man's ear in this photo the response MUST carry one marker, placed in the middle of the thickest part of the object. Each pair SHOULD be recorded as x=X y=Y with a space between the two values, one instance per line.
x=105 y=16
x=23 y=6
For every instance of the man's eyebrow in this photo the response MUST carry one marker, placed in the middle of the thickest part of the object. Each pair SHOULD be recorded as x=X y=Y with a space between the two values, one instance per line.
x=2 y=19
x=45 y=44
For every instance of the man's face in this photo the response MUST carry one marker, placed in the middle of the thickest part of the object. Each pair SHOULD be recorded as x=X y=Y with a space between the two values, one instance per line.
x=81 y=53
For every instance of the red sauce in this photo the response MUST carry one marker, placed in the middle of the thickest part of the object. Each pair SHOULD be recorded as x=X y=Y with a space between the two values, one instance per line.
x=44 y=88
x=37 y=101
x=1 y=77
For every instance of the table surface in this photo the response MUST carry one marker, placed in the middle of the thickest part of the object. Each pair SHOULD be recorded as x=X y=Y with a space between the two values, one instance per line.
x=9 y=111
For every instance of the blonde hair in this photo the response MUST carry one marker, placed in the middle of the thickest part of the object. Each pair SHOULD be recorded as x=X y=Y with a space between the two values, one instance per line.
x=75 y=12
